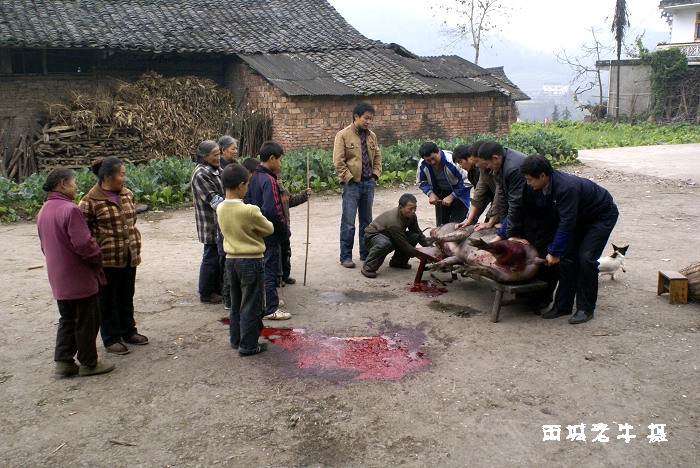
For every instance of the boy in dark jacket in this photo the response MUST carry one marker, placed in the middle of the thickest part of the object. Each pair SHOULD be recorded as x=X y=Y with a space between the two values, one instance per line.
x=264 y=191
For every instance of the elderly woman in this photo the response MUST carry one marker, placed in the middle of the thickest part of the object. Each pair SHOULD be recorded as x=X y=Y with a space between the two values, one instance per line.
x=111 y=216
x=74 y=266
x=207 y=193
x=229 y=150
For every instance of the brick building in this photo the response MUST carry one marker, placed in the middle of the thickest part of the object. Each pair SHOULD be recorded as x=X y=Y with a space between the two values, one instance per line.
x=300 y=60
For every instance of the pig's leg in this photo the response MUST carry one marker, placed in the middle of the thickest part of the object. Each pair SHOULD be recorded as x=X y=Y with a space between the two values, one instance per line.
x=449 y=261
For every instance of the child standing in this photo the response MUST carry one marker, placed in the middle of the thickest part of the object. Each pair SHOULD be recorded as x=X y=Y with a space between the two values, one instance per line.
x=243 y=227
x=264 y=191
x=289 y=201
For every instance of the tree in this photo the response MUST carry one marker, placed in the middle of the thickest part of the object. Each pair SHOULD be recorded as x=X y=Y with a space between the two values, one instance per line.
x=620 y=23
x=555 y=114
x=475 y=18
x=566 y=115
x=585 y=71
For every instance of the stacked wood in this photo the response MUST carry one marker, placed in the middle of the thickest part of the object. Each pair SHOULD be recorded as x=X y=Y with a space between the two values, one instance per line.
x=154 y=117
x=692 y=272
x=17 y=161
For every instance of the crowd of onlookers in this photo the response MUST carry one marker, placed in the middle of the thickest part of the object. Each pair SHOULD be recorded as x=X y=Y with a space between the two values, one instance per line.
x=242 y=219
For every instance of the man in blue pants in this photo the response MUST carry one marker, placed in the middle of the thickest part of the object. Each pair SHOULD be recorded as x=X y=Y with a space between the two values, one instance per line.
x=358 y=163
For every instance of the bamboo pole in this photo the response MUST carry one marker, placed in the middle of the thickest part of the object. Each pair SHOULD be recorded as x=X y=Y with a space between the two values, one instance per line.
x=308 y=217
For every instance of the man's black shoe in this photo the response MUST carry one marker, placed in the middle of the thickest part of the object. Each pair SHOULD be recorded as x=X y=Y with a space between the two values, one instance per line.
x=554 y=313
x=581 y=316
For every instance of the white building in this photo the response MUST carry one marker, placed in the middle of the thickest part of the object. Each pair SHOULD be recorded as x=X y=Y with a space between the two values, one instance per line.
x=685 y=27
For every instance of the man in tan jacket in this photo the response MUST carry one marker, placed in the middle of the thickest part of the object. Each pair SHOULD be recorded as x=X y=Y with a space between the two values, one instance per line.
x=358 y=163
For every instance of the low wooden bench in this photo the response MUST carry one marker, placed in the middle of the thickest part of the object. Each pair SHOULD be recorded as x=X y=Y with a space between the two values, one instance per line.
x=505 y=293
x=675 y=284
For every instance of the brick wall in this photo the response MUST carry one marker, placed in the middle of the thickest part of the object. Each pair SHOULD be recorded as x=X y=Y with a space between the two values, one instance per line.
x=312 y=121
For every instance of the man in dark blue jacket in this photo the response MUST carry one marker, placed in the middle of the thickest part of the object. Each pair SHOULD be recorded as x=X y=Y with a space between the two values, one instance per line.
x=264 y=191
x=587 y=216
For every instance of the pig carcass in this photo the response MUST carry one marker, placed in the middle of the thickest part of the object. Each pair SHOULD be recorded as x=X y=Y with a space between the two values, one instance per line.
x=504 y=261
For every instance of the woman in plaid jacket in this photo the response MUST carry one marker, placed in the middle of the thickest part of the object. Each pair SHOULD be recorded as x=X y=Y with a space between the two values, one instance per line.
x=110 y=213
x=207 y=193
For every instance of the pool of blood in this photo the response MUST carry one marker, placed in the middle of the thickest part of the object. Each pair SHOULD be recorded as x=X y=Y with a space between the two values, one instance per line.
x=430 y=289
x=388 y=356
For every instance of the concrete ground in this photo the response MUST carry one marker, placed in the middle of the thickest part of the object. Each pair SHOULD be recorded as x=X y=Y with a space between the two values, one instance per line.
x=664 y=161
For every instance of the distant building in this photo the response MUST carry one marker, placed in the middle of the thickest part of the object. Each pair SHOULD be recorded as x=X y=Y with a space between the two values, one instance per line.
x=555 y=88
x=684 y=18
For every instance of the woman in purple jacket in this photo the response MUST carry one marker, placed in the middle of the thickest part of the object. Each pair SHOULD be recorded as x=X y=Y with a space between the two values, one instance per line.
x=74 y=266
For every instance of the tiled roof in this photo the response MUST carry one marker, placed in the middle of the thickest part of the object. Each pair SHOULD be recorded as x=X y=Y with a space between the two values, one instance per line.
x=677 y=3
x=378 y=70
x=204 y=26
x=304 y=47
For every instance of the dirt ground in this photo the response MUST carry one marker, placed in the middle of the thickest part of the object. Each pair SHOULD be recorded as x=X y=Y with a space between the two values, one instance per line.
x=188 y=399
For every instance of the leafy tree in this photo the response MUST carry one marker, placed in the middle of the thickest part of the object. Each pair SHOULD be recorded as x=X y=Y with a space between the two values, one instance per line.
x=475 y=18
x=555 y=114
x=566 y=115
x=620 y=24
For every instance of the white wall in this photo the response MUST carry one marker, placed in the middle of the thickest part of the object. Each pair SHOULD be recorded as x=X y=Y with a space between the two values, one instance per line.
x=684 y=25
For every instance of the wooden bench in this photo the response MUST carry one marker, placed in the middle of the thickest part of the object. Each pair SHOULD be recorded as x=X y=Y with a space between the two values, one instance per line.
x=675 y=284
x=505 y=294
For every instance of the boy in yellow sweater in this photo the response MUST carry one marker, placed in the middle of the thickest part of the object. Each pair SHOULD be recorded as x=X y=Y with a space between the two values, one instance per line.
x=243 y=227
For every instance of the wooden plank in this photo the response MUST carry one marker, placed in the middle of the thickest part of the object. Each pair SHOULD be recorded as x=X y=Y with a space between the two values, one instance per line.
x=672 y=275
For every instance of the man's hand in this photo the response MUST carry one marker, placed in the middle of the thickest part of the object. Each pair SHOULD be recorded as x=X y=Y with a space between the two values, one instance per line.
x=447 y=201
x=433 y=199
x=551 y=260
x=464 y=223
x=496 y=238
x=519 y=239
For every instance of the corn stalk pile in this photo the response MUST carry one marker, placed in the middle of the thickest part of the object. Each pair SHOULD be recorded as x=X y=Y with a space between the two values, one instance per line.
x=153 y=118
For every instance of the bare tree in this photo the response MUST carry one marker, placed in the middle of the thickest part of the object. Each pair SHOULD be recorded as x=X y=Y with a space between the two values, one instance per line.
x=475 y=18
x=620 y=23
x=585 y=71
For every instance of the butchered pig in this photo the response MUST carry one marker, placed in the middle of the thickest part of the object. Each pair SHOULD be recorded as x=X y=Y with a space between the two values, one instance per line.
x=504 y=261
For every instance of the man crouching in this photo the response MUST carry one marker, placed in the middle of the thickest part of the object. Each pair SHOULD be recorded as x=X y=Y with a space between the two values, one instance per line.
x=394 y=230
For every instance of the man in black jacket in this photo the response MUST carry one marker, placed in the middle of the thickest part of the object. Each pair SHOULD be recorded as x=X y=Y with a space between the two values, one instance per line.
x=587 y=216
x=505 y=163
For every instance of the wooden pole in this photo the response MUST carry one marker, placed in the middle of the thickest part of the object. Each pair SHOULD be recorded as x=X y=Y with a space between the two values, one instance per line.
x=308 y=217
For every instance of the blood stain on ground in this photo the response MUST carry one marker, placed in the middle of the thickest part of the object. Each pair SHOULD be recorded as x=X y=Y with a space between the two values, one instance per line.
x=388 y=356
x=430 y=289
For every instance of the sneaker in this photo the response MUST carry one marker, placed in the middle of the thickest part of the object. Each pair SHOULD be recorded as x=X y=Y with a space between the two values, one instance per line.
x=405 y=266
x=102 y=367
x=227 y=306
x=368 y=273
x=262 y=347
x=137 y=339
x=66 y=368
x=279 y=314
x=289 y=280
x=212 y=298
x=117 y=348
x=348 y=263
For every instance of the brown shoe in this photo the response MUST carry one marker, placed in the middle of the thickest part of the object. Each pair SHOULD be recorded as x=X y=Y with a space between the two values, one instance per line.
x=66 y=368
x=117 y=348
x=102 y=367
x=137 y=339
x=368 y=273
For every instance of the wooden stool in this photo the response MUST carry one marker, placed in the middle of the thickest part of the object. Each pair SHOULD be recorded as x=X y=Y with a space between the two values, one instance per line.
x=675 y=284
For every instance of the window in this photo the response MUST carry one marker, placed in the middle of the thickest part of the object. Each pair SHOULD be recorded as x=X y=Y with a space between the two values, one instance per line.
x=46 y=61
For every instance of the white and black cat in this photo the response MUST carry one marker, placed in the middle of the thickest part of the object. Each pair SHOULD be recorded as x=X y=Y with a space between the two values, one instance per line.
x=614 y=263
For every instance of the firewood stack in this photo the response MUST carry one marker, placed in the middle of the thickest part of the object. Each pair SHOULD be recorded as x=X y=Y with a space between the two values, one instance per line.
x=153 y=118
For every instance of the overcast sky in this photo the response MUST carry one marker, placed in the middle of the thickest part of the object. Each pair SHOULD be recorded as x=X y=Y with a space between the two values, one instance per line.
x=545 y=26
